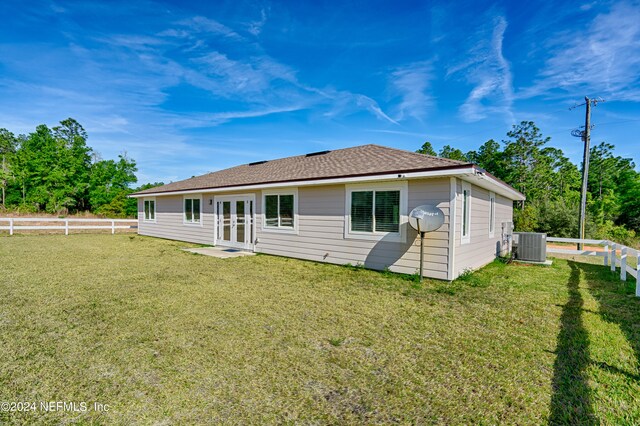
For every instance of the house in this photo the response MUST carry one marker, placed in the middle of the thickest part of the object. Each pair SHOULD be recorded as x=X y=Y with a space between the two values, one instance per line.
x=343 y=206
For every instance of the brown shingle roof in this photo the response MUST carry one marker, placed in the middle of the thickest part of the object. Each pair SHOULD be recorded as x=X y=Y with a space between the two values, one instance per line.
x=357 y=161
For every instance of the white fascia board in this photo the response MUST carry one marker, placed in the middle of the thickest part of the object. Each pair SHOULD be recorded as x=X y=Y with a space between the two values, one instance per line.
x=466 y=173
x=491 y=184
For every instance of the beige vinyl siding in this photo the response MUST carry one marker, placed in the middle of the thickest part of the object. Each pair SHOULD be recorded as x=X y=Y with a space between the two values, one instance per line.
x=169 y=220
x=481 y=249
x=321 y=227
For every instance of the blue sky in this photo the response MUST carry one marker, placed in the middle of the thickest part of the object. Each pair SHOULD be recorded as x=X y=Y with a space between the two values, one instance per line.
x=190 y=87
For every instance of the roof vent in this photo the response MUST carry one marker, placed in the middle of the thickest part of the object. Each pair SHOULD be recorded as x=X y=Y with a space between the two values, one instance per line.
x=313 y=154
x=255 y=163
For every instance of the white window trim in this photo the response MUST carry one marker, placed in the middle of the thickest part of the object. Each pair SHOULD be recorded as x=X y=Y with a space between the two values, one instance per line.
x=184 y=211
x=155 y=210
x=492 y=217
x=465 y=239
x=400 y=236
x=278 y=229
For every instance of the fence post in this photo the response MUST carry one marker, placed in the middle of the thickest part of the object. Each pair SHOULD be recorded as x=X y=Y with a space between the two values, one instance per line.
x=613 y=257
x=606 y=254
x=11 y=226
x=637 y=273
x=113 y=227
x=623 y=264
x=66 y=227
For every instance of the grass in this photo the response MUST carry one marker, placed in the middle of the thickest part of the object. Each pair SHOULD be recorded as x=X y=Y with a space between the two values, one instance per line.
x=165 y=337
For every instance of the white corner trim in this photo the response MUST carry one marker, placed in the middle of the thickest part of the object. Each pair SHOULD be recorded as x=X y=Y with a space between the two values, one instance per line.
x=492 y=215
x=184 y=211
x=401 y=236
x=466 y=239
x=296 y=220
x=453 y=196
x=155 y=210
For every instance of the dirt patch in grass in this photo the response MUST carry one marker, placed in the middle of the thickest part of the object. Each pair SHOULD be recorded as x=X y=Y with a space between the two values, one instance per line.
x=163 y=336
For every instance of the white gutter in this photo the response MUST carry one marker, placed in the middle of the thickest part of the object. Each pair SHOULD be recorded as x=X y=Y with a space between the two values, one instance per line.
x=466 y=172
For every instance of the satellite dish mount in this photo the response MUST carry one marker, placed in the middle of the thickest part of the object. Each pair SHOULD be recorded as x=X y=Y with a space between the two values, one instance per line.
x=425 y=218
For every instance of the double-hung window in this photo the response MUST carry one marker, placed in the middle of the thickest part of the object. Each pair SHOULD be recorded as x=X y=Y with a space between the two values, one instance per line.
x=149 y=210
x=192 y=210
x=280 y=211
x=466 y=213
x=375 y=212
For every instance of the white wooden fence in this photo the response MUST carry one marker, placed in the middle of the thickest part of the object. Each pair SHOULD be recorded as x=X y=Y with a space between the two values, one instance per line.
x=65 y=224
x=609 y=253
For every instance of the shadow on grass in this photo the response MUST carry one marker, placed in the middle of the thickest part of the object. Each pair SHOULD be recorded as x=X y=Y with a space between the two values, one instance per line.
x=571 y=402
x=618 y=304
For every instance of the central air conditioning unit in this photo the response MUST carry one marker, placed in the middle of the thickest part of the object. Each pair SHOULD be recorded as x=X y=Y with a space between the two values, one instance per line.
x=531 y=246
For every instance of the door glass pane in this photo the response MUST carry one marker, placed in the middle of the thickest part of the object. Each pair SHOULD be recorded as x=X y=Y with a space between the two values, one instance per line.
x=196 y=210
x=286 y=211
x=251 y=239
x=226 y=220
x=271 y=210
x=387 y=211
x=362 y=211
x=240 y=221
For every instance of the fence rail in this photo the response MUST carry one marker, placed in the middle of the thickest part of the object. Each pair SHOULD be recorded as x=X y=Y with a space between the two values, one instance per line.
x=110 y=224
x=609 y=252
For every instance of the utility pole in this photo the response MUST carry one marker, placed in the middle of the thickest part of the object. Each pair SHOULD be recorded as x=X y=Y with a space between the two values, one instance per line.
x=586 y=137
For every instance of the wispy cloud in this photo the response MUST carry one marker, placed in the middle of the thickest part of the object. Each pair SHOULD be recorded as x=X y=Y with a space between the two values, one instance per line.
x=602 y=59
x=490 y=74
x=411 y=83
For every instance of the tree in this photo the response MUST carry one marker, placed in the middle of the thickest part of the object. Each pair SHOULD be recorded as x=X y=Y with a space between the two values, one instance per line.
x=452 y=153
x=8 y=145
x=489 y=157
x=427 y=149
x=109 y=184
x=522 y=157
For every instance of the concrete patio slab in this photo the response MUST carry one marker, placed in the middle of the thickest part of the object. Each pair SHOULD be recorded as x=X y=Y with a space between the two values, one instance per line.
x=220 y=252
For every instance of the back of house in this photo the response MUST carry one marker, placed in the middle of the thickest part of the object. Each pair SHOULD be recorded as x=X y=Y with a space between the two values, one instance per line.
x=346 y=206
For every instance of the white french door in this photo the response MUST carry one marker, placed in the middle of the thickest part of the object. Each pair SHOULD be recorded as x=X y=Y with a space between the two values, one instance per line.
x=235 y=224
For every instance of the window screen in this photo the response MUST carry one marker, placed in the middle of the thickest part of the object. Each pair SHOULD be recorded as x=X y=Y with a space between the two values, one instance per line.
x=387 y=216
x=362 y=211
x=286 y=211
x=271 y=209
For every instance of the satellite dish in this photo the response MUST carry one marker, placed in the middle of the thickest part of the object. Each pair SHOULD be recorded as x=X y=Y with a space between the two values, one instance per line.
x=426 y=218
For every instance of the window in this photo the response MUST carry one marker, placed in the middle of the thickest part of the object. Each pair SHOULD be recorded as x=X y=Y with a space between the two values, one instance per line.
x=466 y=213
x=150 y=210
x=375 y=211
x=492 y=214
x=279 y=211
x=192 y=210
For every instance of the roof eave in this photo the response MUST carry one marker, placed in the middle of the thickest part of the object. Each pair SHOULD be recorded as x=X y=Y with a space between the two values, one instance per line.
x=463 y=170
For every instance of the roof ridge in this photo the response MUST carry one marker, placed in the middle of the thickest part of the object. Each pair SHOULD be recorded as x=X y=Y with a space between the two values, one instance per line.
x=448 y=160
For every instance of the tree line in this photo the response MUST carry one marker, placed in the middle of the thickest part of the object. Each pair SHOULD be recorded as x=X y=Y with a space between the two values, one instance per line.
x=552 y=184
x=53 y=170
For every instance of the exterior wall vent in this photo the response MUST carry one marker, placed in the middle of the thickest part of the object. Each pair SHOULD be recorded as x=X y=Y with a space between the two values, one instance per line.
x=531 y=246
x=313 y=154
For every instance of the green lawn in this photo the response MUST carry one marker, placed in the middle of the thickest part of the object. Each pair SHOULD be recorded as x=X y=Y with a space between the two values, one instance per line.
x=167 y=337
